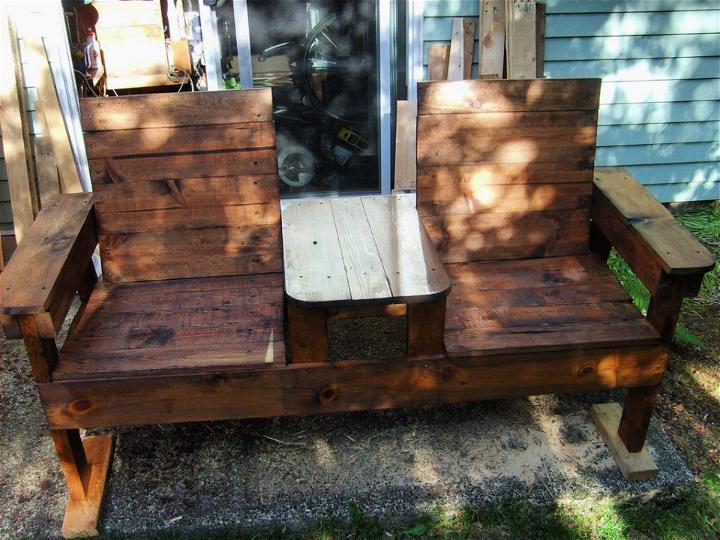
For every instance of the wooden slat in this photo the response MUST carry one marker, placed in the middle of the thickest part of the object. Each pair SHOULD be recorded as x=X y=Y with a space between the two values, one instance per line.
x=187 y=193
x=456 y=66
x=503 y=236
x=468 y=46
x=438 y=57
x=405 y=145
x=47 y=171
x=675 y=249
x=613 y=334
x=190 y=253
x=57 y=129
x=173 y=110
x=363 y=266
x=520 y=39
x=46 y=268
x=475 y=138
x=508 y=96
x=358 y=385
x=181 y=139
x=253 y=217
x=473 y=176
x=506 y=275
x=492 y=39
x=313 y=260
x=232 y=163
x=412 y=266
x=14 y=133
x=515 y=198
x=540 y=12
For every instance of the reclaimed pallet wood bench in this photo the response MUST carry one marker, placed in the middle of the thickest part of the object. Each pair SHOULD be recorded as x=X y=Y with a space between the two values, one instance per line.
x=188 y=321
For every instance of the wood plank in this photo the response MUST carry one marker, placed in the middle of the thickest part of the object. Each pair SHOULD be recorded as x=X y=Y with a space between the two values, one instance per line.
x=478 y=137
x=314 y=269
x=255 y=218
x=675 y=249
x=82 y=515
x=426 y=327
x=456 y=66
x=468 y=46
x=57 y=129
x=412 y=266
x=520 y=39
x=472 y=176
x=508 y=96
x=174 y=110
x=438 y=58
x=231 y=163
x=520 y=199
x=536 y=338
x=47 y=171
x=502 y=275
x=540 y=13
x=13 y=134
x=502 y=236
x=363 y=266
x=634 y=466
x=358 y=385
x=181 y=139
x=190 y=253
x=61 y=238
x=186 y=193
x=308 y=334
x=405 y=145
x=492 y=39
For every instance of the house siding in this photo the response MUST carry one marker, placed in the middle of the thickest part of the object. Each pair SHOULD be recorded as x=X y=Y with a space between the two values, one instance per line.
x=660 y=65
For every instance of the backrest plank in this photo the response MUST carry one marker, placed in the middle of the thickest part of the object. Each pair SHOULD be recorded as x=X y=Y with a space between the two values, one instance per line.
x=505 y=167
x=186 y=184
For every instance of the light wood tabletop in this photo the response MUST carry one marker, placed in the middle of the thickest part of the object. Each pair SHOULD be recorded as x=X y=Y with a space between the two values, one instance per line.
x=359 y=250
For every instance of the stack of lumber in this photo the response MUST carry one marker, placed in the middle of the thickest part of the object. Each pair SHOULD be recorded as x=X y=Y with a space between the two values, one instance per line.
x=511 y=36
x=37 y=166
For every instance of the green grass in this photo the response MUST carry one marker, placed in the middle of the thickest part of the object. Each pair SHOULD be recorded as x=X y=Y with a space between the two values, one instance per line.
x=704 y=223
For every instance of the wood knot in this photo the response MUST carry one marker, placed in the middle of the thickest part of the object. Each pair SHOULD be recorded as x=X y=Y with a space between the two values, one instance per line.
x=586 y=370
x=328 y=395
x=80 y=405
x=447 y=373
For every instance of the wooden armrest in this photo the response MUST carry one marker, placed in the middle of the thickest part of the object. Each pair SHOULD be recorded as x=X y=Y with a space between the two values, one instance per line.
x=48 y=266
x=645 y=233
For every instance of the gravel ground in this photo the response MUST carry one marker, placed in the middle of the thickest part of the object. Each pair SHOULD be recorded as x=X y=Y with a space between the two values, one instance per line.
x=292 y=472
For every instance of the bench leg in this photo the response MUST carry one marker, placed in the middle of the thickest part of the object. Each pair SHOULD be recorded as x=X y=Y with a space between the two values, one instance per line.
x=308 y=334
x=85 y=465
x=635 y=420
x=426 y=327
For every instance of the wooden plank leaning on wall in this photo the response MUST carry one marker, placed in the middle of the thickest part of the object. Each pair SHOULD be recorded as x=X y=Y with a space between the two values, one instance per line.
x=21 y=180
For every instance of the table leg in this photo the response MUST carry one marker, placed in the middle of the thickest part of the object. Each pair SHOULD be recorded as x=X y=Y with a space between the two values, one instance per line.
x=308 y=334
x=426 y=327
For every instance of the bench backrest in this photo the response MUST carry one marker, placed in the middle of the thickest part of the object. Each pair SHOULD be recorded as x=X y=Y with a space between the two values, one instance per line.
x=505 y=167
x=186 y=184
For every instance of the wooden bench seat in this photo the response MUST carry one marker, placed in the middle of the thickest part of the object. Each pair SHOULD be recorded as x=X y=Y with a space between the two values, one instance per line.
x=183 y=325
x=552 y=303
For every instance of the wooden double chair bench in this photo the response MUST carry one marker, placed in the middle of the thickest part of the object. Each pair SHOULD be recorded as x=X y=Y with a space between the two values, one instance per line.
x=188 y=321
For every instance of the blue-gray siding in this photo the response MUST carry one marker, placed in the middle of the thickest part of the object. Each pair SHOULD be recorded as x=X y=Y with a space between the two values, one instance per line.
x=660 y=64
